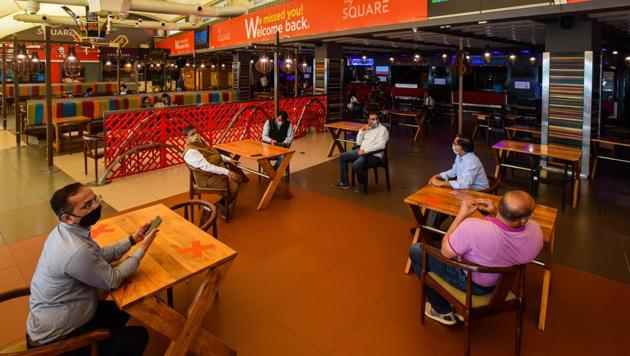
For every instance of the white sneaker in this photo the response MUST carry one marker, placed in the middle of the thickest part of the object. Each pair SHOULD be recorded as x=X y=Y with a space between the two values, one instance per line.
x=446 y=319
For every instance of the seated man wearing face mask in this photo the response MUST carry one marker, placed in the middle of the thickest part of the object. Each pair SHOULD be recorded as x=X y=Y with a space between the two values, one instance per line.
x=278 y=132
x=467 y=173
x=70 y=270
x=371 y=137
x=198 y=154
x=506 y=237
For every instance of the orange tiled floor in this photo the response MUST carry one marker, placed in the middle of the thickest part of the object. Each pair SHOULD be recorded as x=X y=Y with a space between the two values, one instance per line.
x=320 y=276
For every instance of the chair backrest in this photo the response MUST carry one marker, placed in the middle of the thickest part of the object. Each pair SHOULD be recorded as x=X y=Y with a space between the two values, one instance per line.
x=208 y=216
x=193 y=182
x=504 y=282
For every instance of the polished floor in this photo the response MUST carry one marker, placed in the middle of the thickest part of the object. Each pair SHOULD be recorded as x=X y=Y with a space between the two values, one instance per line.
x=321 y=274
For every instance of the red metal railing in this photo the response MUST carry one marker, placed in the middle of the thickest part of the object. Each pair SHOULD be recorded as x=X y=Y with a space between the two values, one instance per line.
x=160 y=130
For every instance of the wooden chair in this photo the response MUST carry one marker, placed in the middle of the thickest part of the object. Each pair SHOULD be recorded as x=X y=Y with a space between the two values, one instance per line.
x=207 y=219
x=54 y=348
x=208 y=216
x=481 y=121
x=493 y=185
x=195 y=190
x=502 y=298
x=384 y=163
x=91 y=150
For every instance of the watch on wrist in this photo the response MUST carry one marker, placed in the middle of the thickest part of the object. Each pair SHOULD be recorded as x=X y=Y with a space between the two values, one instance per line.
x=131 y=240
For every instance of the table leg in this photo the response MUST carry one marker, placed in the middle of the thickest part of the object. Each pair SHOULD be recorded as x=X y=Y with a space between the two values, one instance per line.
x=415 y=137
x=276 y=180
x=335 y=133
x=576 y=184
x=595 y=160
x=57 y=143
x=185 y=331
x=544 y=299
x=420 y=215
x=497 y=158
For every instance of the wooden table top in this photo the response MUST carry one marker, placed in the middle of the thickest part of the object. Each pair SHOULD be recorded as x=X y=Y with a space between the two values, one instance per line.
x=179 y=251
x=404 y=113
x=253 y=149
x=70 y=119
x=448 y=200
x=613 y=141
x=346 y=125
x=552 y=151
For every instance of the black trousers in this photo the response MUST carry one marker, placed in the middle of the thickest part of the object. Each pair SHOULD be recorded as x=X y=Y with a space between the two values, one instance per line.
x=124 y=340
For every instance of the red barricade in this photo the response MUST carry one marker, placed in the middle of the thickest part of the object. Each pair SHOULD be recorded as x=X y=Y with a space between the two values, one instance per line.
x=222 y=122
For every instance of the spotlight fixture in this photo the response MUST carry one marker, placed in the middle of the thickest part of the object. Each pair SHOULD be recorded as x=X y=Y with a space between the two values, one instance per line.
x=444 y=58
x=532 y=60
x=487 y=55
x=615 y=52
x=391 y=59
x=512 y=58
x=628 y=61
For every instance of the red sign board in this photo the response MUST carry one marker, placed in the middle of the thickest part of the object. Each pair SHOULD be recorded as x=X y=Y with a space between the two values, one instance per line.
x=180 y=43
x=309 y=17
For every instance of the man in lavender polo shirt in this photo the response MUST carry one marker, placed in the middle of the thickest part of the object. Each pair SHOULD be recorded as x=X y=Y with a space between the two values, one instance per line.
x=505 y=237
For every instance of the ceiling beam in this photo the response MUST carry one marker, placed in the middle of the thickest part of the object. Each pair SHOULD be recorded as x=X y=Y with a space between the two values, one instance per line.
x=414 y=42
x=476 y=36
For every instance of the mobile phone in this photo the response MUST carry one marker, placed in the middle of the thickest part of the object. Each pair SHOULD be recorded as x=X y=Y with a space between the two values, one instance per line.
x=154 y=225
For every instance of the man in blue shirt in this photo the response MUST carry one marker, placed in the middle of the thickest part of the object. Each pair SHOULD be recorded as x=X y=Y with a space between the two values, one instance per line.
x=467 y=171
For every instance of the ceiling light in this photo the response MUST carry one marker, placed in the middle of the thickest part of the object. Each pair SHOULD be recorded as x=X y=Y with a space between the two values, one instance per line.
x=615 y=52
x=482 y=22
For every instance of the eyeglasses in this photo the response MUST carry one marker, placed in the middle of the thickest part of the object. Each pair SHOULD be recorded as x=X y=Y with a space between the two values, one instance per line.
x=92 y=202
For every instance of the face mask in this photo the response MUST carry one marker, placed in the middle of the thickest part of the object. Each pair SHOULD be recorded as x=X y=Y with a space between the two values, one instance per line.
x=90 y=218
x=454 y=149
x=196 y=138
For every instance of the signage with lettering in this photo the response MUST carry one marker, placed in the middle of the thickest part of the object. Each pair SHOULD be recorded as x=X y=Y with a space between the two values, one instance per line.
x=180 y=43
x=310 y=17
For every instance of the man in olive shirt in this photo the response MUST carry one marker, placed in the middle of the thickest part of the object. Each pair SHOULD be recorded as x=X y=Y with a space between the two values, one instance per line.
x=70 y=270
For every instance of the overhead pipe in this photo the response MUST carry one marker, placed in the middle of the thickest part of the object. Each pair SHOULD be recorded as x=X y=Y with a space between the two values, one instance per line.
x=66 y=20
x=167 y=7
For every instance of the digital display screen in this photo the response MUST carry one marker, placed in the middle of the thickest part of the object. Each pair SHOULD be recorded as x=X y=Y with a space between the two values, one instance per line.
x=361 y=62
x=382 y=70
x=439 y=81
x=201 y=38
x=522 y=85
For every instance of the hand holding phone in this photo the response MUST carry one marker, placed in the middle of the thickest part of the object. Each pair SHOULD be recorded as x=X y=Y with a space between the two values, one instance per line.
x=154 y=225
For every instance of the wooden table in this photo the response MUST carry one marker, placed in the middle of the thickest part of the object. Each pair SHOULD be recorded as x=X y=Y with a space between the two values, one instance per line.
x=568 y=156
x=416 y=115
x=447 y=201
x=336 y=129
x=180 y=251
x=611 y=141
x=262 y=153
x=59 y=122
x=511 y=131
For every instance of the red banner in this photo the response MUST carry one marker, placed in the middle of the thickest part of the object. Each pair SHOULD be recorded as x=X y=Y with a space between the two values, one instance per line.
x=180 y=43
x=309 y=17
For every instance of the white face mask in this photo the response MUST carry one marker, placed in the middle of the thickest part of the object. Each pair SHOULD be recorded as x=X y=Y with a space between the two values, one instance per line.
x=455 y=149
